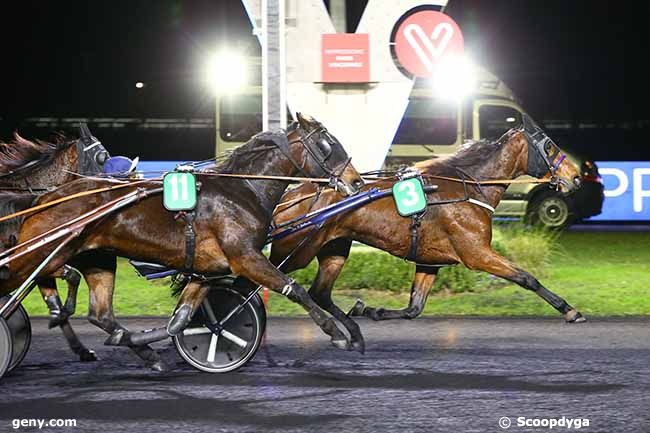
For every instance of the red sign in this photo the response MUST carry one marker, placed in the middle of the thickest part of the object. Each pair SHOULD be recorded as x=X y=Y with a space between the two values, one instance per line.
x=345 y=58
x=424 y=38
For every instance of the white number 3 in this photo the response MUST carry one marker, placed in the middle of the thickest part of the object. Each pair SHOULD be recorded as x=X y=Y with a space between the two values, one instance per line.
x=412 y=198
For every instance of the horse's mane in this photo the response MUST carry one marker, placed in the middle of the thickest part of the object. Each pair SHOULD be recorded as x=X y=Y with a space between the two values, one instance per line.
x=472 y=154
x=233 y=160
x=20 y=152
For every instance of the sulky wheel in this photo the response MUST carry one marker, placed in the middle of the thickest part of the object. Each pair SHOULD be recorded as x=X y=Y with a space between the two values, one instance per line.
x=222 y=350
x=6 y=347
x=21 y=333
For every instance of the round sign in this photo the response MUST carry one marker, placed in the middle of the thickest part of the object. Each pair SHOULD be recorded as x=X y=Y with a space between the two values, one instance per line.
x=423 y=38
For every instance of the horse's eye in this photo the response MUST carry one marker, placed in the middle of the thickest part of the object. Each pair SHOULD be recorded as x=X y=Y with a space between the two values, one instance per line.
x=548 y=146
x=324 y=147
x=101 y=157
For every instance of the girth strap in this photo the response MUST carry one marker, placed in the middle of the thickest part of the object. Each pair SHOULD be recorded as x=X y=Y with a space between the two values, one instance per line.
x=190 y=238
x=416 y=220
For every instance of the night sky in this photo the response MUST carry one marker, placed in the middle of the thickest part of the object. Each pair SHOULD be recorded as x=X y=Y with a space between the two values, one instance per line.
x=576 y=60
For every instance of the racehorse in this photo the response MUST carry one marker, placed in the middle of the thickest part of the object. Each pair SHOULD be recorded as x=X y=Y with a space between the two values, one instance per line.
x=231 y=224
x=27 y=167
x=457 y=232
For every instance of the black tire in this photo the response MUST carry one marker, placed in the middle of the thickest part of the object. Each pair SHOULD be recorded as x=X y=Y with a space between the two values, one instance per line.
x=248 y=326
x=6 y=347
x=21 y=333
x=550 y=210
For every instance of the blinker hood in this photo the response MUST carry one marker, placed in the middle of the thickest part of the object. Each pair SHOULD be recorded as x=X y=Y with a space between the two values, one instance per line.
x=91 y=154
x=542 y=151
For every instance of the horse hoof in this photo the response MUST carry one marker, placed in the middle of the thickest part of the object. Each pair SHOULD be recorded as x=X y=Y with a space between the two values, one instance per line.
x=117 y=338
x=357 y=309
x=87 y=356
x=160 y=366
x=341 y=344
x=359 y=346
x=574 y=316
x=54 y=322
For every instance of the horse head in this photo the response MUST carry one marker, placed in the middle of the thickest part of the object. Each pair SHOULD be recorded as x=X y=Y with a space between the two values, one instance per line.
x=91 y=155
x=323 y=155
x=546 y=160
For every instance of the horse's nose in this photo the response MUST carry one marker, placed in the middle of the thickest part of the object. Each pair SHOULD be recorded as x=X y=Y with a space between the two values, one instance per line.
x=577 y=181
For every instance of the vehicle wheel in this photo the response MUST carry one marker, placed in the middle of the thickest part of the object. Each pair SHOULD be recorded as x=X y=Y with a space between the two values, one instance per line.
x=551 y=211
x=21 y=333
x=235 y=344
x=6 y=347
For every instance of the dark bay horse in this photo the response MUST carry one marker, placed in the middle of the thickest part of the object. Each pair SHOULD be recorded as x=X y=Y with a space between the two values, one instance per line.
x=41 y=165
x=231 y=225
x=446 y=234
x=28 y=167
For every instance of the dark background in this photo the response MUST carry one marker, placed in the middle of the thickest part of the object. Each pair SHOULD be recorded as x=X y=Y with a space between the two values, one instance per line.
x=580 y=61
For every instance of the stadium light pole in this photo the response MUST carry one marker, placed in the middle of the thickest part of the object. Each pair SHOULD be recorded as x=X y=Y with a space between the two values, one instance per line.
x=225 y=74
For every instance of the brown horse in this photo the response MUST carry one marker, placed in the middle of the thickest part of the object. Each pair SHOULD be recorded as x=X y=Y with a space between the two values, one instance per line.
x=231 y=225
x=27 y=167
x=446 y=234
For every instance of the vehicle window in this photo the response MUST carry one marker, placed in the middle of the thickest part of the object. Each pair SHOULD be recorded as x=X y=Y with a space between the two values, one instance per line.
x=240 y=117
x=428 y=121
x=495 y=120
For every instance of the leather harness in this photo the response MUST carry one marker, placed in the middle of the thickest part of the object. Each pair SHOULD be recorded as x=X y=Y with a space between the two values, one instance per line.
x=190 y=237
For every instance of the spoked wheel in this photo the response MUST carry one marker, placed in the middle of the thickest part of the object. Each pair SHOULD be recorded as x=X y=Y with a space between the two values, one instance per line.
x=209 y=347
x=6 y=347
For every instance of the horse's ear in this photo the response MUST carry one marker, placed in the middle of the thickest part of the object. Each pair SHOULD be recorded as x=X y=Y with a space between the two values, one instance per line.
x=84 y=133
x=305 y=120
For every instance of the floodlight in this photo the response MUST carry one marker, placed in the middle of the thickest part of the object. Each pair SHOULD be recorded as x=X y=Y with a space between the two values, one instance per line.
x=454 y=78
x=225 y=72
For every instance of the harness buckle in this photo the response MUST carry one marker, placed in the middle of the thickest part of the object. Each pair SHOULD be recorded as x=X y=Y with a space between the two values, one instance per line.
x=408 y=173
x=185 y=168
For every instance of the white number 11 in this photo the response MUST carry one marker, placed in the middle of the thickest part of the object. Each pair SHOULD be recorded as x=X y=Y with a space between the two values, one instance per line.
x=174 y=181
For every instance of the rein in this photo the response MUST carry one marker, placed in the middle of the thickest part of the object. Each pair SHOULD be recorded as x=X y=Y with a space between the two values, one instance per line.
x=430 y=176
x=135 y=183
x=70 y=197
x=473 y=182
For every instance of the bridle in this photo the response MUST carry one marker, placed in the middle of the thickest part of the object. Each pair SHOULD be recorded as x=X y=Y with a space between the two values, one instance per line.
x=92 y=156
x=540 y=160
x=320 y=151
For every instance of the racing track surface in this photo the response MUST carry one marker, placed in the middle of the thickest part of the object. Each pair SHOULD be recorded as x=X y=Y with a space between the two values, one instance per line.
x=426 y=375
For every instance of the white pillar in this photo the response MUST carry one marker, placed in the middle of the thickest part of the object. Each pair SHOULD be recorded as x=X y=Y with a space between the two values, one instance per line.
x=339 y=18
x=273 y=65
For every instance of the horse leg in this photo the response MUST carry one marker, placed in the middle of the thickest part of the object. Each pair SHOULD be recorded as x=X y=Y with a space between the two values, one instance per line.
x=101 y=284
x=422 y=284
x=59 y=317
x=60 y=313
x=257 y=268
x=491 y=262
x=72 y=278
x=50 y=294
x=331 y=259
x=189 y=300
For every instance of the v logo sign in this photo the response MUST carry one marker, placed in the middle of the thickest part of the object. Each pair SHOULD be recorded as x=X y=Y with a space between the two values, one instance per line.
x=423 y=45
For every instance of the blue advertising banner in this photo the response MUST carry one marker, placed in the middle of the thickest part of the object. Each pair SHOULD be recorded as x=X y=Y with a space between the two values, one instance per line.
x=627 y=191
